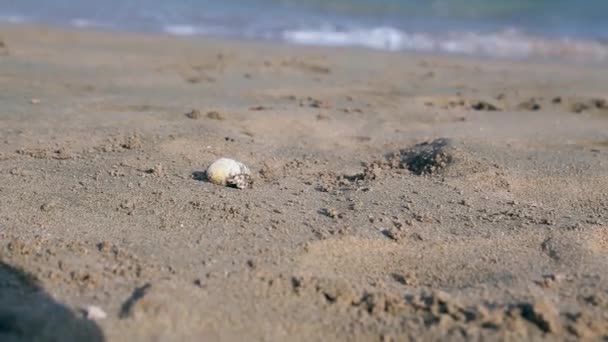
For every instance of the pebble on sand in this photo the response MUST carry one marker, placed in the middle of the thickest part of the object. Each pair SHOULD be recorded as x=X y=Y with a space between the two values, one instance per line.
x=94 y=313
x=229 y=172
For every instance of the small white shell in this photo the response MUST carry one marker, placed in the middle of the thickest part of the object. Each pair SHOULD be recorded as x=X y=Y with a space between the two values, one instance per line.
x=229 y=172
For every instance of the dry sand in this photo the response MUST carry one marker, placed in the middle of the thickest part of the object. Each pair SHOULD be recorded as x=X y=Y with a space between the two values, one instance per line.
x=397 y=197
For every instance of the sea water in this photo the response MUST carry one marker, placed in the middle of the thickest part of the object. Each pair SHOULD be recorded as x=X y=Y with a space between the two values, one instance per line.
x=499 y=28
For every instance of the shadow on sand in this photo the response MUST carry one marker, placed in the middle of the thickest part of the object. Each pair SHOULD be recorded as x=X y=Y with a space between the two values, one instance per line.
x=28 y=313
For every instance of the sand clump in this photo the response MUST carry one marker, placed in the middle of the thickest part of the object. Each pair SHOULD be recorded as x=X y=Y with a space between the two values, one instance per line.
x=502 y=102
x=428 y=158
x=196 y=114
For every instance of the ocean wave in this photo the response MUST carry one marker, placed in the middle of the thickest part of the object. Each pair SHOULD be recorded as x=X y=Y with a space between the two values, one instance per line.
x=181 y=30
x=88 y=23
x=507 y=43
x=206 y=30
x=384 y=38
x=12 y=19
x=504 y=44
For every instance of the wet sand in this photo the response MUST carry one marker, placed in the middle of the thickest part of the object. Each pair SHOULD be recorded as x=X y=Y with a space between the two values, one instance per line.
x=396 y=196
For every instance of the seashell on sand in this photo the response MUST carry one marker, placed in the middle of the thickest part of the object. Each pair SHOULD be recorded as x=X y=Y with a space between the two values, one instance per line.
x=229 y=172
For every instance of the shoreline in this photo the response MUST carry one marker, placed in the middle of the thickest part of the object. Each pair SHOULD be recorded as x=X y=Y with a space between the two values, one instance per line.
x=565 y=51
x=395 y=195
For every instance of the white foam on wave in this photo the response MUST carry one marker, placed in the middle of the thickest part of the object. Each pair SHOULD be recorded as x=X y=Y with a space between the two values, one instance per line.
x=384 y=38
x=505 y=44
x=206 y=30
x=87 y=23
x=181 y=30
x=513 y=44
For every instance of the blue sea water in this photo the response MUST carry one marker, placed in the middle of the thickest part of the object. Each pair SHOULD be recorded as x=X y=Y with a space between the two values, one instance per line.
x=501 y=28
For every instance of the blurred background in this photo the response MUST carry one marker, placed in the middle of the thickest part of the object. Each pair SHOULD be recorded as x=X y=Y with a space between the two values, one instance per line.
x=498 y=28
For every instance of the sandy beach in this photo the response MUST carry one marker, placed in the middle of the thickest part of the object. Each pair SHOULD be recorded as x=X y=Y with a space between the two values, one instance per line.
x=396 y=196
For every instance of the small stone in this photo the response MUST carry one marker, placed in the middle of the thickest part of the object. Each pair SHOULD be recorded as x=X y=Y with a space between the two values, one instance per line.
x=94 y=313
x=531 y=105
x=579 y=107
x=215 y=115
x=46 y=207
x=194 y=114
x=34 y=101
x=404 y=279
x=465 y=203
x=551 y=280
x=484 y=106
x=543 y=314
x=157 y=170
x=331 y=212
x=259 y=108
x=393 y=234
x=600 y=103
x=132 y=142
